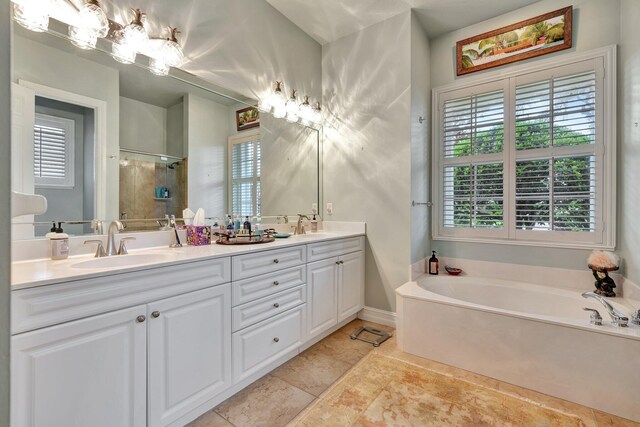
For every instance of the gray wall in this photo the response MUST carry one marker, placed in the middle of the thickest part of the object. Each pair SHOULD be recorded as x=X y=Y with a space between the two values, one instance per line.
x=41 y=64
x=143 y=126
x=597 y=23
x=367 y=146
x=175 y=130
x=5 y=206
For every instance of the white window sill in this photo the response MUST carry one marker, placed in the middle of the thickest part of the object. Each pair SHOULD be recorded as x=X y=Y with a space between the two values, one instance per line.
x=532 y=243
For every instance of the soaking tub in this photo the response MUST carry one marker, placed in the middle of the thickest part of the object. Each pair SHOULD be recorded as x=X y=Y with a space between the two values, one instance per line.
x=533 y=336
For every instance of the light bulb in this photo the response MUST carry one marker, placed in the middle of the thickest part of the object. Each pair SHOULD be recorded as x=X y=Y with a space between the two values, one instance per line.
x=134 y=34
x=92 y=17
x=158 y=67
x=292 y=108
x=306 y=112
x=122 y=52
x=84 y=38
x=32 y=14
x=171 y=51
x=278 y=101
x=264 y=105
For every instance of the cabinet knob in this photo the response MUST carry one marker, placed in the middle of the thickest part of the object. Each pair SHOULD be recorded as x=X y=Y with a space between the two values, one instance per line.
x=140 y=318
x=276 y=305
x=341 y=262
x=337 y=262
x=155 y=314
x=276 y=283
x=275 y=261
x=276 y=339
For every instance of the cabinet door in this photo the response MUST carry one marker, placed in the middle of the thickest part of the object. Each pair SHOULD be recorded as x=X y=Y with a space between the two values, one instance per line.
x=350 y=284
x=90 y=372
x=189 y=352
x=322 y=288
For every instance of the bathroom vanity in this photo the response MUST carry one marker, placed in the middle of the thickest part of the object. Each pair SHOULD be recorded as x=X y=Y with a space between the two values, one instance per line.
x=162 y=342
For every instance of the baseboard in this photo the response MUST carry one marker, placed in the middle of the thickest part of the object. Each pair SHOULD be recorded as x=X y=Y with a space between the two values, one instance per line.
x=376 y=315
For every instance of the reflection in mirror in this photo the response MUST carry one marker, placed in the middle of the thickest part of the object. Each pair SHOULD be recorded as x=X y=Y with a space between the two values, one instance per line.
x=102 y=140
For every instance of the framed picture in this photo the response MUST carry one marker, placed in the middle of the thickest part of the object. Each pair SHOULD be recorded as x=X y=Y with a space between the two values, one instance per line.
x=537 y=36
x=247 y=118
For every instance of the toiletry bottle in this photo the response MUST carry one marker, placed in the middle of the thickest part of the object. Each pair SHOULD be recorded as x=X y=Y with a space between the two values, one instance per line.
x=236 y=224
x=433 y=264
x=247 y=224
x=59 y=244
x=229 y=223
x=314 y=224
x=51 y=232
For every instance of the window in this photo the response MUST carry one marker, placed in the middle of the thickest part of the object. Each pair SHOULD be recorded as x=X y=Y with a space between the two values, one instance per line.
x=529 y=158
x=245 y=175
x=53 y=150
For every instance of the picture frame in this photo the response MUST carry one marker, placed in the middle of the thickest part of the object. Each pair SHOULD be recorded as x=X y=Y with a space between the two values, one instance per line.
x=533 y=37
x=247 y=118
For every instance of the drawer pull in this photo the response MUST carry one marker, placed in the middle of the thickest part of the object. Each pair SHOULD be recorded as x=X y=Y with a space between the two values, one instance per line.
x=276 y=283
x=276 y=339
x=140 y=319
x=337 y=262
x=155 y=314
x=276 y=305
x=275 y=261
x=341 y=262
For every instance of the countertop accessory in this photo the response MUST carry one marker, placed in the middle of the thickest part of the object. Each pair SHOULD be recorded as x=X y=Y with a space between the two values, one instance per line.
x=240 y=239
x=454 y=271
x=601 y=263
x=282 y=235
x=198 y=235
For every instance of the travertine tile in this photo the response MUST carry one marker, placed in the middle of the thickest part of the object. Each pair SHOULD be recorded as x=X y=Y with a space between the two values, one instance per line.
x=607 y=420
x=312 y=371
x=357 y=323
x=210 y=419
x=341 y=347
x=269 y=401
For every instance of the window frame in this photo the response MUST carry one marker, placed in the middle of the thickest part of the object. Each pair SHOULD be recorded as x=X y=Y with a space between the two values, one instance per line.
x=241 y=138
x=603 y=61
x=69 y=125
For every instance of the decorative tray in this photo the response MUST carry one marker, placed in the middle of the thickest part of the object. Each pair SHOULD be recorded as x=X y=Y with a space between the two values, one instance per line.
x=243 y=240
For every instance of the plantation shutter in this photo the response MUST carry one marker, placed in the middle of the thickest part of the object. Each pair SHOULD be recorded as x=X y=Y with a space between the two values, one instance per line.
x=556 y=180
x=473 y=165
x=245 y=178
x=53 y=151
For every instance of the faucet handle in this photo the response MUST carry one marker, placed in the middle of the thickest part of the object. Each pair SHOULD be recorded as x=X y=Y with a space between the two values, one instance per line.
x=100 y=252
x=635 y=317
x=596 y=319
x=122 y=250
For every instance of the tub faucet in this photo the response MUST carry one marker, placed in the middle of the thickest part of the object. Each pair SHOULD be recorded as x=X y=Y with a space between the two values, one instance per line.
x=617 y=318
x=114 y=228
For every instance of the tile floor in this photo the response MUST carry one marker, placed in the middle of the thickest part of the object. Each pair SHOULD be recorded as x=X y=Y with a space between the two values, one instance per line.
x=307 y=390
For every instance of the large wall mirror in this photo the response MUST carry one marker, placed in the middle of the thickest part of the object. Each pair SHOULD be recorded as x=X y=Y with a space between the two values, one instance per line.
x=103 y=140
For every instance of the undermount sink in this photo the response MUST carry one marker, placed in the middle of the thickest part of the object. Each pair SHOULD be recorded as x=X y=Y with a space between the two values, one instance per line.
x=120 y=261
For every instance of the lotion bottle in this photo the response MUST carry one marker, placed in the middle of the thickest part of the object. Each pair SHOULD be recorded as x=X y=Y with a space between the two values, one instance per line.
x=433 y=264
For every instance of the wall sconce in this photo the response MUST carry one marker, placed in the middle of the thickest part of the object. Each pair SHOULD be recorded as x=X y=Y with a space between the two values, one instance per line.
x=32 y=14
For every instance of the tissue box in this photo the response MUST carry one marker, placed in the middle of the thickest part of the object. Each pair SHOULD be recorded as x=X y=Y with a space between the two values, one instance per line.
x=198 y=235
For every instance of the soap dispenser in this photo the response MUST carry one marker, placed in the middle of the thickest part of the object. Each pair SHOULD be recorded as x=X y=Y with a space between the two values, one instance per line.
x=433 y=264
x=314 y=224
x=59 y=243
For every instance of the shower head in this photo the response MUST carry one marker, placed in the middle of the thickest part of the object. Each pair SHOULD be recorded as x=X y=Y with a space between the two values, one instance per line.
x=173 y=165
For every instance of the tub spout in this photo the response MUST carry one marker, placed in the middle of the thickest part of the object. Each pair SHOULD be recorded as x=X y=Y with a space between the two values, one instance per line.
x=617 y=318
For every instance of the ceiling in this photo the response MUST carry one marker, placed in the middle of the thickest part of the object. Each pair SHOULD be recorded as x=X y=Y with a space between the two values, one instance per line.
x=328 y=20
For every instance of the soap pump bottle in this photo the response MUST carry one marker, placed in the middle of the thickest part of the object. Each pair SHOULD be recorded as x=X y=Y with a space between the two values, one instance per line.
x=59 y=244
x=314 y=224
x=433 y=264
x=247 y=224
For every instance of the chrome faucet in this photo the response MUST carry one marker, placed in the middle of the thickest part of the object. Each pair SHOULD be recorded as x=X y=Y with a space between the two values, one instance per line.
x=617 y=318
x=96 y=225
x=299 y=228
x=114 y=228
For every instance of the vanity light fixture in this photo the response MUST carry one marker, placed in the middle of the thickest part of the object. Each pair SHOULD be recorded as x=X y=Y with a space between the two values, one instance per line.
x=92 y=23
x=121 y=51
x=316 y=117
x=292 y=107
x=168 y=54
x=306 y=112
x=32 y=14
x=135 y=34
x=278 y=101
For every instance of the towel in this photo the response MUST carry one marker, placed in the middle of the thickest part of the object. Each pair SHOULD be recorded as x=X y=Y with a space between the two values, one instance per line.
x=187 y=216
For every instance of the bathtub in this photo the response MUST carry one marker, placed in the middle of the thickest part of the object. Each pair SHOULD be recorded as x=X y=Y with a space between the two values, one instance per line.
x=533 y=336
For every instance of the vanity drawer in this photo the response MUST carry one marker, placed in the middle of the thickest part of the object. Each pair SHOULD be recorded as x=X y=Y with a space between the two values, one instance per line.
x=251 y=289
x=261 y=344
x=264 y=308
x=250 y=265
x=324 y=250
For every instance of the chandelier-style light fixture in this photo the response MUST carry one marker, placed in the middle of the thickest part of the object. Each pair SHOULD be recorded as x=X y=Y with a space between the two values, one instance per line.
x=279 y=106
x=91 y=23
x=292 y=108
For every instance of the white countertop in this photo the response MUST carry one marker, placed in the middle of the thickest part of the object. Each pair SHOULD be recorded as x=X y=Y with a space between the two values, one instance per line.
x=40 y=272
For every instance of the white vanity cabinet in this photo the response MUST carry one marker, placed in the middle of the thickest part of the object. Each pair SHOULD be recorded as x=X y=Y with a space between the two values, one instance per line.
x=335 y=283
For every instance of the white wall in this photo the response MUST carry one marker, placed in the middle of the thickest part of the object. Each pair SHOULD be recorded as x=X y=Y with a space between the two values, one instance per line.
x=367 y=146
x=596 y=24
x=5 y=206
x=175 y=130
x=207 y=130
x=143 y=126
x=629 y=138
x=44 y=65
x=420 y=137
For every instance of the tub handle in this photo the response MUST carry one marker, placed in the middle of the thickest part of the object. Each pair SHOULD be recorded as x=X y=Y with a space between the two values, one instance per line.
x=596 y=319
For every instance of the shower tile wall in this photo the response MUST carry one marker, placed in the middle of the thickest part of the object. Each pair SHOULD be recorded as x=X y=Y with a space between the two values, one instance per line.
x=138 y=181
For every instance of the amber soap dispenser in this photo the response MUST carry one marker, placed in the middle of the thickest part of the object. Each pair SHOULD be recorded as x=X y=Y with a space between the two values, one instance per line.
x=433 y=264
